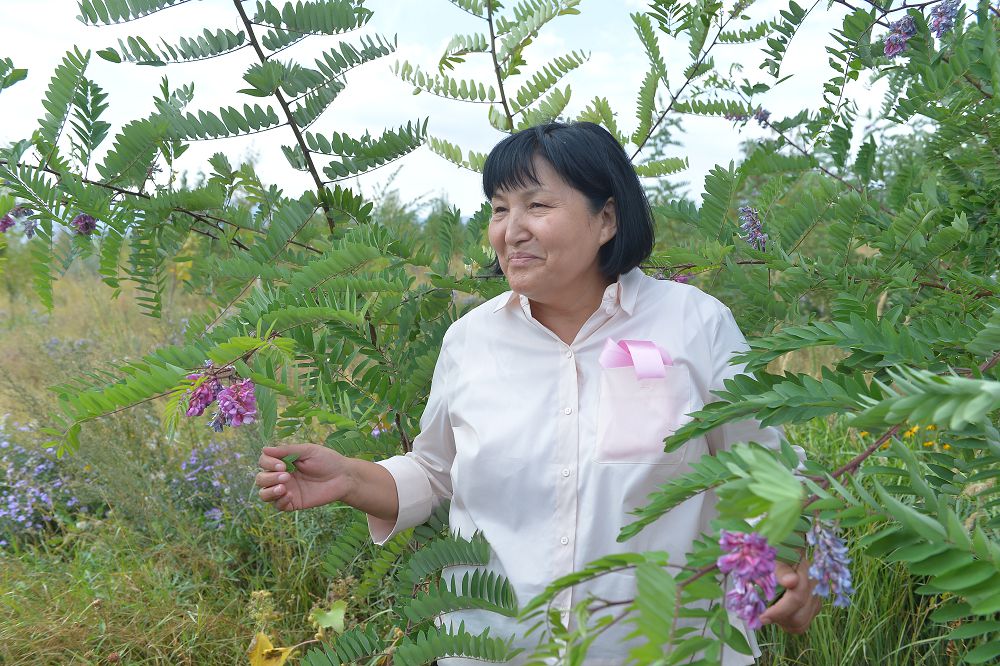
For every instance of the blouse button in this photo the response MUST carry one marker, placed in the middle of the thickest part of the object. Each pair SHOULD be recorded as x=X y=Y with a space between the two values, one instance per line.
x=568 y=411
x=564 y=540
x=569 y=353
x=565 y=472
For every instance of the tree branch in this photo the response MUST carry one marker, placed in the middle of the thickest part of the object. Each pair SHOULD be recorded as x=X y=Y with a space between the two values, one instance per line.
x=496 y=65
x=307 y=155
x=202 y=217
x=674 y=96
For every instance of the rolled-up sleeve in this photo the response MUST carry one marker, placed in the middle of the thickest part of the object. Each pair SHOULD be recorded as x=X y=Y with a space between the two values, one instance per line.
x=423 y=476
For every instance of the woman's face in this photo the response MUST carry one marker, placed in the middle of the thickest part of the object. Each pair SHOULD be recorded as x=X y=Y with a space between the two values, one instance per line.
x=547 y=237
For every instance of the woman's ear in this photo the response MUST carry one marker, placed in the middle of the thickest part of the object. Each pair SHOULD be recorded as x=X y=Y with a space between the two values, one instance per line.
x=608 y=216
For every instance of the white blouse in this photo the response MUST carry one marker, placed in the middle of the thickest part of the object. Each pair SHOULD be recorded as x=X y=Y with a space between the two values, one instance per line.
x=546 y=452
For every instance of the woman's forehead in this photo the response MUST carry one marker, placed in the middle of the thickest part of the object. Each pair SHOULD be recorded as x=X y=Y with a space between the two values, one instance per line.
x=540 y=176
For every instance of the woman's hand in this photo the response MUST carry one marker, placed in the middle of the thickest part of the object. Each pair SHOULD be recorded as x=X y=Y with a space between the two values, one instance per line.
x=321 y=476
x=797 y=607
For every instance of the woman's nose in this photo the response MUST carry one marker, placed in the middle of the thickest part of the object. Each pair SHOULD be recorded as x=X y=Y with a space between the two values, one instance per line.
x=516 y=230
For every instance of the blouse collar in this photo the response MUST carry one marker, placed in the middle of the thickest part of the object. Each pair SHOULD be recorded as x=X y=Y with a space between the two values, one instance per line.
x=622 y=293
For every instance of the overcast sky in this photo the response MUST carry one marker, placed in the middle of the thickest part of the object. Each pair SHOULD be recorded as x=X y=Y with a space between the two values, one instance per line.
x=38 y=32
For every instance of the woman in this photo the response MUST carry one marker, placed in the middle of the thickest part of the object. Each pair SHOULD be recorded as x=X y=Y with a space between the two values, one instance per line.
x=539 y=427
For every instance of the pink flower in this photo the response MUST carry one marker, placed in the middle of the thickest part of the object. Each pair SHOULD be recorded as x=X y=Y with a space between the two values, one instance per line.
x=745 y=601
x=750 y=560
x=85 y=224
x=238 y=404
x=894 y=45
x=203 y=396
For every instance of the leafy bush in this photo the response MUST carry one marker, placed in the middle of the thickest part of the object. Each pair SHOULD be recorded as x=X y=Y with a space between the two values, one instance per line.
x=886 y=253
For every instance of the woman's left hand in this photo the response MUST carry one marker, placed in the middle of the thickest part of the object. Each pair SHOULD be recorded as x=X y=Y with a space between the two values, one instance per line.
x=797 y=607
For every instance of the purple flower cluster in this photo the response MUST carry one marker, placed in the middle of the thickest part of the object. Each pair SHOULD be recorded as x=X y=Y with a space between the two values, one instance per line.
x=19 y=215
x=750 y=561
x=34 y=490
x=829 y=568
x=943 y=17
x=901 y=31
x=203 y=395
x=237 y=402
x=84 y=224
x=752 y=228
x=760 y=115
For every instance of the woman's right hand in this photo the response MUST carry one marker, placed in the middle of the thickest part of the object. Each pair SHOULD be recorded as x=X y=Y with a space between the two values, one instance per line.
x=321 y=476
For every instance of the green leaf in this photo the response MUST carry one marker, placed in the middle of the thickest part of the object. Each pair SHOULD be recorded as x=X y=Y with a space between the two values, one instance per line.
x=120 y=11
x=331 y=619
x=655 y=601
x=983 y=654
x=9 y=75
x=289 y=461
x=64 y=88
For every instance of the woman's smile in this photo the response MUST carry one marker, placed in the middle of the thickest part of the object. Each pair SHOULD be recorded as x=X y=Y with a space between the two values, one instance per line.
x=521 y=259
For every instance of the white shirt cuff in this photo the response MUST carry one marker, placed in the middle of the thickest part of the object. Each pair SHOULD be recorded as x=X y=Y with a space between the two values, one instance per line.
x=416 y=501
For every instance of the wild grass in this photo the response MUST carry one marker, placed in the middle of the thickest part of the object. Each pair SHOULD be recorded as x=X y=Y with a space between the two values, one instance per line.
x=143 y=577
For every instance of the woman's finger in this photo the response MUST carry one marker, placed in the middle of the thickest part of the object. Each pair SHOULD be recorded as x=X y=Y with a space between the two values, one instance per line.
x=268 y=479
x=272 y=493
x=270 y=463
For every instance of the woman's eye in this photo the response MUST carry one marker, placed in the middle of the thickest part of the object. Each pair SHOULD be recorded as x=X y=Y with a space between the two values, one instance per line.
x=536 y=204
x=499 y=209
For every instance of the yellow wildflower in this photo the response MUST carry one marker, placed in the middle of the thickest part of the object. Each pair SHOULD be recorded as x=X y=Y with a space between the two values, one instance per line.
x=864 y=433
x=931 y=427
x=911 y=432
x=930 y=443
x=946 y=447
x=885 y=446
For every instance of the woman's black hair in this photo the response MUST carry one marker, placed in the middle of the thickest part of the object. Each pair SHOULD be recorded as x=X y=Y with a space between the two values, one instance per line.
x=589 y=159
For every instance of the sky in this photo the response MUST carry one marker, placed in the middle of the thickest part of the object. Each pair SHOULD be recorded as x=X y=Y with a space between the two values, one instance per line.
x=38 y=32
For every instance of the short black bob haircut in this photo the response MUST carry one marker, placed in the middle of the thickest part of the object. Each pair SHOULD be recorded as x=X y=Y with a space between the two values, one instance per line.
x=589 y=159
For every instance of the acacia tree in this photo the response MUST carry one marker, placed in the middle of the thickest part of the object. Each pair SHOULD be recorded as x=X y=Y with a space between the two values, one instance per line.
x=336 y=321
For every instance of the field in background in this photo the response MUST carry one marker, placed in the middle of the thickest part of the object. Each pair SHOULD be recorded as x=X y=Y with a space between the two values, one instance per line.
x=166 y=557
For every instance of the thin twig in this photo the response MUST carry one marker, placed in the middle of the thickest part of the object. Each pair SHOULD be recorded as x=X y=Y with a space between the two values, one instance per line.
x=306 y=154
x=822 y=168
x=675 y=96
x=496 y=65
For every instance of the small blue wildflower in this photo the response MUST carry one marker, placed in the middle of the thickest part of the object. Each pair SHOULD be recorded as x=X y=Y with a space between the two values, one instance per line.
x=218 y=422
x=943 y=17
x=905 y=26
x=829 y=568
x=752 y=228
x=214 y=517
x=30 y=224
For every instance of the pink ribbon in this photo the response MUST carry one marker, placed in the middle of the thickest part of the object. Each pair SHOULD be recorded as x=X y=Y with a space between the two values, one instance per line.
x=647 y=358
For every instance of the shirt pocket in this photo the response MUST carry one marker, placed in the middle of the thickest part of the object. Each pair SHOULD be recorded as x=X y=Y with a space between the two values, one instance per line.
x=635 y=415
